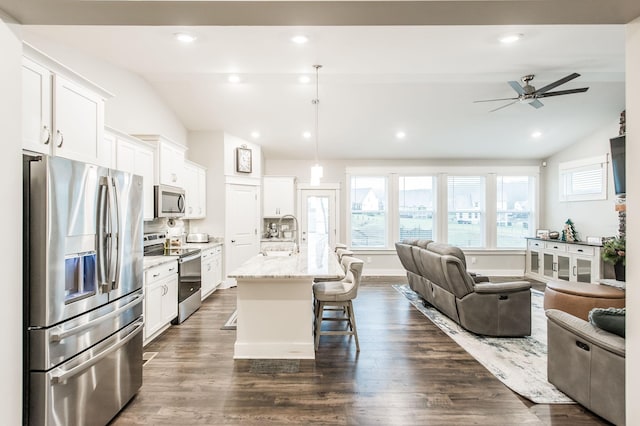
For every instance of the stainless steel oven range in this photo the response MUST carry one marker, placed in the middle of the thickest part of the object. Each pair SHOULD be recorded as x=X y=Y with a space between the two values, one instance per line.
x=189 y=272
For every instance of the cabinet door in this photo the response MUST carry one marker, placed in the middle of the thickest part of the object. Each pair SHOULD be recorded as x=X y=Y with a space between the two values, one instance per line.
x=108 y=151
x=153 y=319
x=78 y=121
x=171 y=164
x=217 y=267
x=208 y=275
x=190 y=182
x=144 y=167
x=36 y=107
x=202 y=193
x=278 y=196
x=170 y=299
x=582 y=270
x=125 y=156
x=534 y=261
x=563 y=267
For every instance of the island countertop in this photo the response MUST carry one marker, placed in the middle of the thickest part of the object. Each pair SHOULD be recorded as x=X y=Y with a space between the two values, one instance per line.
x=309 y=263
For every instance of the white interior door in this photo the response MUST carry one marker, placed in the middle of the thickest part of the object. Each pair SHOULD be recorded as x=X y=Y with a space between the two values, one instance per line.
x=318 y=217
x=242 y=212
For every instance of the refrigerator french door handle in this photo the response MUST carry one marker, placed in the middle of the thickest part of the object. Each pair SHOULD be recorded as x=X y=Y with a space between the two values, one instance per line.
x=63 y=377
x=113 y=234
x=117 y=238
x=103 y=234
x=56 y=337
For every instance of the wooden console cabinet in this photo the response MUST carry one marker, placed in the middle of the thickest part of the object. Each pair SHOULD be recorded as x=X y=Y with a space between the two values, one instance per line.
x=560 y=260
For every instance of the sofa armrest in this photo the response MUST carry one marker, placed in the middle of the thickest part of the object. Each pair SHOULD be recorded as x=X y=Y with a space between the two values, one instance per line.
x=587 y=331
x=509 y=287
x=479 y=278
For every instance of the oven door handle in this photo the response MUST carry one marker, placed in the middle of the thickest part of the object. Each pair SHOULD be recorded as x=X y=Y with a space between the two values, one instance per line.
x=189 y=258
x=66 y=375
x=56 y=337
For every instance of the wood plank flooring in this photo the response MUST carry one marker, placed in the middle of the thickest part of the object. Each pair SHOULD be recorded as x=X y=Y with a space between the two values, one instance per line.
x=408 y=372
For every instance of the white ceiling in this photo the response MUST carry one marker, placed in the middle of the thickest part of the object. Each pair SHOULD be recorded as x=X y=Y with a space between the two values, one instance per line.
x=375 y=81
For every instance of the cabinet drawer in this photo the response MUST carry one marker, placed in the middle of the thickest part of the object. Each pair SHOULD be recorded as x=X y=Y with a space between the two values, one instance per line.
x=556 y=246
x=161 y=271
x=586 y=250
x=535 y=244
x=205 y=254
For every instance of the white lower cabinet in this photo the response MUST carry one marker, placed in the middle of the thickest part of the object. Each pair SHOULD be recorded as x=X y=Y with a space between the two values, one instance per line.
x=211 y=270
x=160 y=299
x=560 y=260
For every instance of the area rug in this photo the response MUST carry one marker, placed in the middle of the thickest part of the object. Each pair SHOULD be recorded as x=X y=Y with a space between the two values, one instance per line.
x=518 y=362
x=232 y=322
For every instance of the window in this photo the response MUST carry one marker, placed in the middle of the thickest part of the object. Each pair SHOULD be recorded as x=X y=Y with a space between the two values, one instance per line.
x=368 y=211
x=583 y=180
x=514 y=218
x=465 y=202
x=416 y=207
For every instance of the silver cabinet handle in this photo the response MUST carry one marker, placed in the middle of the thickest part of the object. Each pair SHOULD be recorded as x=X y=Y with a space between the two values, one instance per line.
x=66 y=375
x=47 y=132
x=60 y=138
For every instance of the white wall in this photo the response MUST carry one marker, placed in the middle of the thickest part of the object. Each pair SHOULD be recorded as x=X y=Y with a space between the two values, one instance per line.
x=591 y=218
x=633 y=222
x=11 y=219
x=135 y=109
x=386 y=262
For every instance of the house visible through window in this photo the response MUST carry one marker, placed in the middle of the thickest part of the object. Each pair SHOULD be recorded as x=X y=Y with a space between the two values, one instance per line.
x=465 y=202
x=416 y=207
x=514 y=210
x=369 y=211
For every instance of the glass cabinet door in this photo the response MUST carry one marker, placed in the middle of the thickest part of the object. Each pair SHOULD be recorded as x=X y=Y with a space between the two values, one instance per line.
x=582 y=270
x=564 y=268
x=547 y=265
x=534 y=262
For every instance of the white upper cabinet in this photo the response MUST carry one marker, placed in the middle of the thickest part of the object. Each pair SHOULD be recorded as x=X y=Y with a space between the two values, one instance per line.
x=170 y=160
x=63 y=113
x=278 y=196
x=195 y=190
x=137 y=157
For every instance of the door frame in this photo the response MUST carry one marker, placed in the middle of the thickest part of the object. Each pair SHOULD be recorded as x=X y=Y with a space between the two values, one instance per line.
x=322 y=187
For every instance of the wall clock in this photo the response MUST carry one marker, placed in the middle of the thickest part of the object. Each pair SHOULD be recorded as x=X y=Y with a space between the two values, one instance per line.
x=243 y=160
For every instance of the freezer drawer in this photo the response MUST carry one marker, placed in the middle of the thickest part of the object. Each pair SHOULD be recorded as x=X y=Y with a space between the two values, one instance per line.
x=54 y=345
x=91 y=388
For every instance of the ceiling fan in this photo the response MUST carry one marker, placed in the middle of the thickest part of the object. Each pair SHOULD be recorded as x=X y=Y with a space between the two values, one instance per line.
x=529 y=94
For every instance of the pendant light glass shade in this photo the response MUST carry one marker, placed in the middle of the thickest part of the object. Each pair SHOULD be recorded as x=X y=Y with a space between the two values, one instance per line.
x=316 y=170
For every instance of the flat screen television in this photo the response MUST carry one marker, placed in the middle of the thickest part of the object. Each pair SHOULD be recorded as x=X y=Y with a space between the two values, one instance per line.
x=617 y=164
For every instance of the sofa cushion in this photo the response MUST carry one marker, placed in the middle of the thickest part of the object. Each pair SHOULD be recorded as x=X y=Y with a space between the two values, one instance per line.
x=609 y=319
x=446 y=249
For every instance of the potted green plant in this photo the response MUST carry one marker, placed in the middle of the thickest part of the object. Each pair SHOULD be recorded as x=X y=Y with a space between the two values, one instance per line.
x=614 y=252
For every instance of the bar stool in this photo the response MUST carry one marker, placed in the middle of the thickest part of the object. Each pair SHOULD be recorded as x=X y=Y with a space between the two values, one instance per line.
x=338 y=294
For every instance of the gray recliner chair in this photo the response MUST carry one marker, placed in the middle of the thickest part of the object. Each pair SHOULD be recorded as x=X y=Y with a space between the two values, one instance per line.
x=587 y=363
x=438 y=273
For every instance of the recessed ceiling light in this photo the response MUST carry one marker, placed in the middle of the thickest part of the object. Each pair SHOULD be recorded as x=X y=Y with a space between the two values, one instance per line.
x=536 y=134
x=299 y=39
x=234 y=78
x=401 y=135
x=255 y=134
x=510 y=38
x=306 y=135
x=304 y=79
x=185 y=37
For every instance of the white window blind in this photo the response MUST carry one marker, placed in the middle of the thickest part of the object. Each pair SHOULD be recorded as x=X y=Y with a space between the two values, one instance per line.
x=583 y=180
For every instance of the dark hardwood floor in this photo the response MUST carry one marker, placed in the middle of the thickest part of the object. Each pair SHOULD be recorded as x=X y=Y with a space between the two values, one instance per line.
x=408 y=372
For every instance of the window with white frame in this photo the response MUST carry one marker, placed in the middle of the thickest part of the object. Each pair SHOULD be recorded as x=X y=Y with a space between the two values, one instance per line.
x=465 y=212
x=416 y=203
x=369 y=220
x=514 y=210
x=583 y=180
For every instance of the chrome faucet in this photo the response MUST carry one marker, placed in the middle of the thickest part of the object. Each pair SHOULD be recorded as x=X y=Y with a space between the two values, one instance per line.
x=296 y=242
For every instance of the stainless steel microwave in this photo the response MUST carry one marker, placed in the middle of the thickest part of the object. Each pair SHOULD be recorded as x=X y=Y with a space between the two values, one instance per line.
x=169 y=201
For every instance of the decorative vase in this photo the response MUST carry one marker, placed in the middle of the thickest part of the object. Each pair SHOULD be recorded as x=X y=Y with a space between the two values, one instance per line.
x=619 y=269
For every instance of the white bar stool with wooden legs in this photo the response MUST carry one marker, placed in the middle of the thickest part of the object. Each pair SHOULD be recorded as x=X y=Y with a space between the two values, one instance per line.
x=338 y=294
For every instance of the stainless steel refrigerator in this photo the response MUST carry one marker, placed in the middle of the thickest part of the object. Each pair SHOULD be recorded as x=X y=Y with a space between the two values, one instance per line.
x=83 y=279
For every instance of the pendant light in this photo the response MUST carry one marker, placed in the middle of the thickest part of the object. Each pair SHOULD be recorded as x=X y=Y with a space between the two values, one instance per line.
x=316 y=170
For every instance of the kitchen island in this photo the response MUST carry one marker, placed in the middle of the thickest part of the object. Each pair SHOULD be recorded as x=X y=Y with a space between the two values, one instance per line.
x=274 y=302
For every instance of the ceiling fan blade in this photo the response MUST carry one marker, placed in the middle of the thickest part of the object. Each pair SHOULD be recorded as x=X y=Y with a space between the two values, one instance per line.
x=516 y=86
x=492 y=100
x=504 y=106
x=557 y=83
x=536 y=104
x=563 y=92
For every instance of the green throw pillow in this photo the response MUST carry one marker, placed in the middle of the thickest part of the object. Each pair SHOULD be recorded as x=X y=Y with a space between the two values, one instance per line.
x=609 y=319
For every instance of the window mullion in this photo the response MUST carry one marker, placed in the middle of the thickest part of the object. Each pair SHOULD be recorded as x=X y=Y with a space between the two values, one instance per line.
x=491 y=205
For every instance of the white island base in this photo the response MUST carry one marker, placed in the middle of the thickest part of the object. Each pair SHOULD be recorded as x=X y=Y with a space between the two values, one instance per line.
x=275 y=318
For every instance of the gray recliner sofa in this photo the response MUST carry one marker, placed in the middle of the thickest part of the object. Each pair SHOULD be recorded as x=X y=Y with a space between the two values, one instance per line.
x=438 y=272
x=587 y=363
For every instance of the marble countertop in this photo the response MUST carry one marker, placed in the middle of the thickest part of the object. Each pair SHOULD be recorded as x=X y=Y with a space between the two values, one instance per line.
x=309 y=263
x=151 y=261
x=203 y=246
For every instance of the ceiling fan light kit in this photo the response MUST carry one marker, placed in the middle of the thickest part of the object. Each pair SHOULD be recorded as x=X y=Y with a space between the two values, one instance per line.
x=527 y=93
